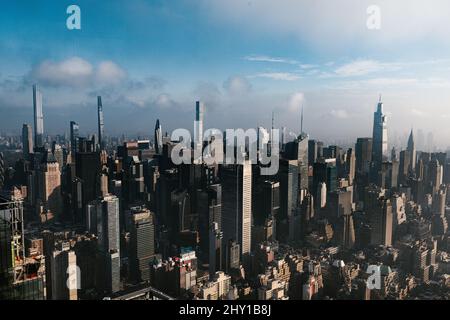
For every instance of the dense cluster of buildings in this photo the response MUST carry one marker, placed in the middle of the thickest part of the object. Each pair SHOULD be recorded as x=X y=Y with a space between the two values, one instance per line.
x=95 y=217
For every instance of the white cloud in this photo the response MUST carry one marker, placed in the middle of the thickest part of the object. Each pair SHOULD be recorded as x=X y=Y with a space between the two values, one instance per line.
x=296 y=101
x=363 y=67
x=339 y=114
x=237 y=85
x=337 y=24
x=73 y=71
x=286 y=76
x=109 y=73
x=263 y=58
x=76 y=72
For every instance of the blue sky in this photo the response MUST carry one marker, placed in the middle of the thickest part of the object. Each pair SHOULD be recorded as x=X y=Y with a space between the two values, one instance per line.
x=245 y=59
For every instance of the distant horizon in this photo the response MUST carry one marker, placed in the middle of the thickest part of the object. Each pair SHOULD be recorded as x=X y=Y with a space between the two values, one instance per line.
x=153 y=59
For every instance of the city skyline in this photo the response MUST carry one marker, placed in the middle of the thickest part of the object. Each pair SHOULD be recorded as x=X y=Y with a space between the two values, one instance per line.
x=236 y=151
x=275 y=65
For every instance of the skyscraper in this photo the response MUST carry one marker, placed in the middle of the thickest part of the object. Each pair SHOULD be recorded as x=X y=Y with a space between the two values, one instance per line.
x=2 y=171
x=412 y=152
x=74 y=134
x=38 y=118
x=158 y=138
x=381 y=221
x=27 y=141
x=50 y=188
x=288 y=195
x=198 y=133
x=237 y=205
x=380 y=143
x=302 y=156
x=101 y=135
x=142 y=243
x=62 y=264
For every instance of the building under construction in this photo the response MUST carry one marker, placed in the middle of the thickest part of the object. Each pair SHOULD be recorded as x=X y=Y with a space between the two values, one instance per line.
x=22 y=276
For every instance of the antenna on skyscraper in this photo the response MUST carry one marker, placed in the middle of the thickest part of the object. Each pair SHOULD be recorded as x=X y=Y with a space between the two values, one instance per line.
x=272 y=118
x=301 y=121
x=271 y=131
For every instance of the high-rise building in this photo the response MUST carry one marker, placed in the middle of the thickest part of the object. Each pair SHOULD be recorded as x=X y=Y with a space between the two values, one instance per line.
x=103 y=220
x=27 y=141
x=363 y=154
x=267 y=202
x=74 y=134
x=350 y=166
x=411 y=149
x=302 y=156
x=142 y=243
x=50 y=188
x=87 y=166
x=435 y=170
x=380 y=142
x=288 y=174
x=101 y=125
x=198 y=130
x=62 y=276
x=215 y=248
x=58 y=153
x=381 y=221
x=22 y=277
x=209 y=207
x=237 y=204
x=38 y=118
x=313 y=150
x=158 y=138
x=2 y=171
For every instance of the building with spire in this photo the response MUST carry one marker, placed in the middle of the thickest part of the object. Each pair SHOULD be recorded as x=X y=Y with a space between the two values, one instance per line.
x=380 y=140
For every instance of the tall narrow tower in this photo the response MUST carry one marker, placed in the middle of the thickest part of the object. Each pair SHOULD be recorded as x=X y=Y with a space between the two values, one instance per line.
x=380 y=140
x=158 y=137
x=38 y=118
x=411 y=148
x=101 y=125
x=199 y=111
x=198 y=133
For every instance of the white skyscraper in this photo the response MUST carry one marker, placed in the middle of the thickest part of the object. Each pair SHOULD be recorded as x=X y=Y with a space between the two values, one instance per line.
x=237 y=204
x=198 y=131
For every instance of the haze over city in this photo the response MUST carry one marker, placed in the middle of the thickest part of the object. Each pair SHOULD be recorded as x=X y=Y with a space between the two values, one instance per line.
x=244 y=59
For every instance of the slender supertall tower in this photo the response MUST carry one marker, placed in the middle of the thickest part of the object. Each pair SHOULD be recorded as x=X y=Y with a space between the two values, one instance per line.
x=198 y=133
x=38 y=118
x=101 y=125
x=158 y=138
x=380 y=140
x=199 y=111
